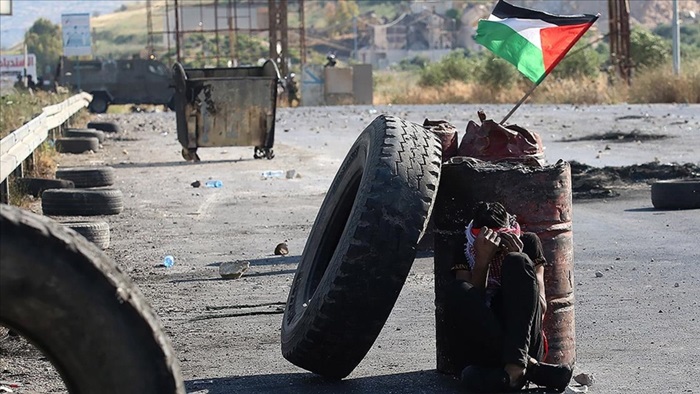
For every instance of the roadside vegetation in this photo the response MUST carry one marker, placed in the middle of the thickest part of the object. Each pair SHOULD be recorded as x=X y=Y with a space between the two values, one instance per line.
x=585 y=76
x=20 y=107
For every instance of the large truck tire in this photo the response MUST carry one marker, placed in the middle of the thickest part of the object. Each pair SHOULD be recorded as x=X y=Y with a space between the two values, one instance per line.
x=82 y=202
x=71 y=301
x=87 y=176
x=361 y=247
x=676 y=194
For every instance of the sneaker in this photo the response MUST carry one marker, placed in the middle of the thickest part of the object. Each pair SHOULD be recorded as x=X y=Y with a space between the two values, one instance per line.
x=551 y=376
x=477 y=379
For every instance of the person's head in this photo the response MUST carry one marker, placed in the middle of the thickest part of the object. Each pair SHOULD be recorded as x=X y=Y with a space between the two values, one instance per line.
x=490 y=214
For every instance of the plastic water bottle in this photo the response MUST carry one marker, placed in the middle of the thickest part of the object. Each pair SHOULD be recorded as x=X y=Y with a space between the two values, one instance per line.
x=215 y=184
x=273 y=174
x=168 y=261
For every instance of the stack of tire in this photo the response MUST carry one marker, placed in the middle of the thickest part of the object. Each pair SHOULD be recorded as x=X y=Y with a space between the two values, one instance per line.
x=90 y=196
x=80 y=140
x=86 y=191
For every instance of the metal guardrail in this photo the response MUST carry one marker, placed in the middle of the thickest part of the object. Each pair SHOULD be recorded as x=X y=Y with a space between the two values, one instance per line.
x=21 y=143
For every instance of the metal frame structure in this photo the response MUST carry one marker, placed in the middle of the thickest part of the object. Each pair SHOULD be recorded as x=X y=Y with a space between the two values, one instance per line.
x=236 y=24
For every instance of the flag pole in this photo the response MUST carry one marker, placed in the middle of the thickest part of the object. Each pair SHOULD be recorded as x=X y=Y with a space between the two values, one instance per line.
x=522 y=100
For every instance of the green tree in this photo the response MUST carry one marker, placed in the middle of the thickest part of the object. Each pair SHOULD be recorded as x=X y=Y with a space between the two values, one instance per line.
x=456 y=66
x=495 y=72
x=582 y=61
x=647 y=49
x=339 y=15
x=44 y=40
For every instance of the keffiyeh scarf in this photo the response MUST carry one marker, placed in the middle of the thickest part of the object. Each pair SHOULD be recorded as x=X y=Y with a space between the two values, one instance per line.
x=472 y=233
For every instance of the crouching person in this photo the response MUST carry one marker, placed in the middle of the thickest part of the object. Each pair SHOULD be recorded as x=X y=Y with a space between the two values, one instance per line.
x=498 y=301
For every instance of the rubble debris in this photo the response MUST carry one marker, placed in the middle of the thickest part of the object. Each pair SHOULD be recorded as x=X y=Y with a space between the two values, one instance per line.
x=196 y=184
x=492 y=141
x=598 y=274
x=281 y=249
x=586 y=379
x=448 y=136
x=576 y=389
x=233 y=269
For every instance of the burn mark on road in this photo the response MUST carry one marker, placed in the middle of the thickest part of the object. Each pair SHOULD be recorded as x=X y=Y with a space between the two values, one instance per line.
x=618 y=136
x=593 y=182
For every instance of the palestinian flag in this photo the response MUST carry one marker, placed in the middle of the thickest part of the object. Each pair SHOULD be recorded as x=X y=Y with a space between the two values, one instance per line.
x=534 y=41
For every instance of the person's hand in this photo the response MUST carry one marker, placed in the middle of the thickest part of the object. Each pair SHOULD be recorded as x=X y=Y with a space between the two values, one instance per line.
x=511 y=243
x=486 y=246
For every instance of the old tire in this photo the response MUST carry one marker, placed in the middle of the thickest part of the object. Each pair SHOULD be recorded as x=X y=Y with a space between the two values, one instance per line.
x=36 y=186
x=361 y=247
x=77 y=144
x=107 y=127
x=676 y=194
x=87 y=176
x=82 y=202
x=73 y=303
x=95 y=232
x=100 y=135
x=99 y=103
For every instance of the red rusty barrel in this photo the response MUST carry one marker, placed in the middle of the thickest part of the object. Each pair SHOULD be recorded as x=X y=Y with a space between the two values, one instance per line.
x=540 y=197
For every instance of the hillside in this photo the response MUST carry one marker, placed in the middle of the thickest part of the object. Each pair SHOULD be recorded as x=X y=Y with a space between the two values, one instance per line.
x=123 y=33
x=24 y=13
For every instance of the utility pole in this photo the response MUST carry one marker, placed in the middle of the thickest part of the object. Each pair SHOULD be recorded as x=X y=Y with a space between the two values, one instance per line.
x=619 y=22
x=676 y=40
x=278 y=34
x=149 y=27
x=177 y=33
x=354 y=33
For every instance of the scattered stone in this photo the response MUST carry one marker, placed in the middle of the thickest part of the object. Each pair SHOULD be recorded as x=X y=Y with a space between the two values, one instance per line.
x=290 y=174
x=586 y=379
x=281 y=249
x=576 y=389
x=233 y=269
x=676 y=284
x=196 y=184
x=598 y=274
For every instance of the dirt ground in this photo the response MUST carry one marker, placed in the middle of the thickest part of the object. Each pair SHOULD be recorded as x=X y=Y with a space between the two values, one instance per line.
x=636 y=325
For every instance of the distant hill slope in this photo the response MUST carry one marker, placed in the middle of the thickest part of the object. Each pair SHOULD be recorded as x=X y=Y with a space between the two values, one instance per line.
x=25 y=13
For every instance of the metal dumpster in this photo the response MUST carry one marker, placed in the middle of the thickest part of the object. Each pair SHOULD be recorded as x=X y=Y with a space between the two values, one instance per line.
x=226 y=107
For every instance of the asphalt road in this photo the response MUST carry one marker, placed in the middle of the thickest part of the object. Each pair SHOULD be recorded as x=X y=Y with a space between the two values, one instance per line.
x=637 y=326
